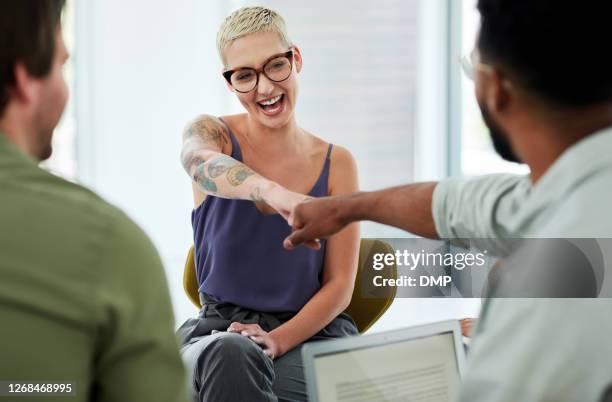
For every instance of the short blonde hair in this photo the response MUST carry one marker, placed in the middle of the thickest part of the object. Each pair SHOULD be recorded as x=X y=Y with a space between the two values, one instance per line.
x=249 y=20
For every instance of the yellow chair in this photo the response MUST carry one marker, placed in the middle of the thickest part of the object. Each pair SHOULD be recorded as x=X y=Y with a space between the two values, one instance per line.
x=368 y=303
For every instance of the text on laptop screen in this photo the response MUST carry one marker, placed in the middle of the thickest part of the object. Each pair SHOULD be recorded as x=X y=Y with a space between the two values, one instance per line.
x=422 y=369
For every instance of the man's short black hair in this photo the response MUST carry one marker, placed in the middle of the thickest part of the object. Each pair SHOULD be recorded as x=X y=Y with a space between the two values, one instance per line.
x=27 y=34
x=559 y=49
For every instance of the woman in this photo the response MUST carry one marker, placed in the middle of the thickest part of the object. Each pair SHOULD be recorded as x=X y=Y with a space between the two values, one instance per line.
x=249 y=171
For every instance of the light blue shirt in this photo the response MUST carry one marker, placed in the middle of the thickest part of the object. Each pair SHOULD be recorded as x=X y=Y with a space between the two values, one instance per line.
x=537 y=349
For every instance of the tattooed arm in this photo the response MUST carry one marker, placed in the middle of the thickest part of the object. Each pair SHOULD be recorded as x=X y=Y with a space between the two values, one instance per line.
x=204 y=157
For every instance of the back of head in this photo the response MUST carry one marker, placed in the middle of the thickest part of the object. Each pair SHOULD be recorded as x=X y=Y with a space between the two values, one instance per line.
x=557 y=49
x=27 y=35
x=250 y=20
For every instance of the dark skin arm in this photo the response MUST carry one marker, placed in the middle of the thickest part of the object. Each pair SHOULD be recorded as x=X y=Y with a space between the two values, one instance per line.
x=406 y=207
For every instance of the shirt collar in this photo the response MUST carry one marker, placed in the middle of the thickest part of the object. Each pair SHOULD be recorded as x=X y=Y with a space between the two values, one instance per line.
x=8 y=150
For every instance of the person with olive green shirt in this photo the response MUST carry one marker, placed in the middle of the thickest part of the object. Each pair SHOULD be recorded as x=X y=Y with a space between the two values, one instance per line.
x=84 y=302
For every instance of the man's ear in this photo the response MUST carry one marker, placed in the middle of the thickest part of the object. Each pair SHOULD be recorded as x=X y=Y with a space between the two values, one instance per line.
x=25 y=87
x=498 y=94
x=297 y=59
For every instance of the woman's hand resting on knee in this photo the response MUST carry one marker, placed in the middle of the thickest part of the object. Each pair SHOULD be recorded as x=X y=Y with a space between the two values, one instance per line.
x=264 y=339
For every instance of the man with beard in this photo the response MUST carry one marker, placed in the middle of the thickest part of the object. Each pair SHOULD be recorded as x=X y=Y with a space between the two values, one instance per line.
x=85 y=312
x=548 y=103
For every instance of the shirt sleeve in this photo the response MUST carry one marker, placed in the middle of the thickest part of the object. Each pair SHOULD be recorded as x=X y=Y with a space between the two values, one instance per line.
x=479 y=209
x=138 y=353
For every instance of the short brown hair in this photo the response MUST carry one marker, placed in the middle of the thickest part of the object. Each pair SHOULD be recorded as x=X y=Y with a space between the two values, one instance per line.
x=27 y=34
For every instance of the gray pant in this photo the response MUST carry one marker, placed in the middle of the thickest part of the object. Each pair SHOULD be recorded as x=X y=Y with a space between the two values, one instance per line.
x=227 y=366
x=224 y=366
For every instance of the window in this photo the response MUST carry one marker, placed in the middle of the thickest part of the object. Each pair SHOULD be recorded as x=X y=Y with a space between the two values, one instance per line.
x=63 y=159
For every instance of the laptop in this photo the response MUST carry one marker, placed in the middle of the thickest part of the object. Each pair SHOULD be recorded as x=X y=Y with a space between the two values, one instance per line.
x=423 y=363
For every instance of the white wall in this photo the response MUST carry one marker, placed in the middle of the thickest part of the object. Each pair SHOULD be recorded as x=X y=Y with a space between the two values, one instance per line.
x=145 y=67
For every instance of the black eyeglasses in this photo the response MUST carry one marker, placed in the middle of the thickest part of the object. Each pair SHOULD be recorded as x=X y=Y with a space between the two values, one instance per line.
x=277 y=68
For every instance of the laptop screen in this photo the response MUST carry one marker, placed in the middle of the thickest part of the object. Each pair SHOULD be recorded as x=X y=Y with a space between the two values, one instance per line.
x=417 y=369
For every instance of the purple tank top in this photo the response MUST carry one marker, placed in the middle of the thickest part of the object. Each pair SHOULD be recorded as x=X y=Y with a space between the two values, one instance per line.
x=240 y=257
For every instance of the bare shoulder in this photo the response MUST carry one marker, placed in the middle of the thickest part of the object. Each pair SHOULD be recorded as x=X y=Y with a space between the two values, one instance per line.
x=342 y=170
x=315 y=147
x=343 y=177
x=206 y=128
x=342 y=158
x=235 y=120
x=235 y=123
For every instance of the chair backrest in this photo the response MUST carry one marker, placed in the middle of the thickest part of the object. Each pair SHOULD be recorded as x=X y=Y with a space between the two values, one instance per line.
x=368 y=303
x=190 y=280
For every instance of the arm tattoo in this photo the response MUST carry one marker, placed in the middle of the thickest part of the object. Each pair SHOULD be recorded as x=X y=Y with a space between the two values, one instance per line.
x=208 y=129
x=197 y=140
x=235 y=173
x=203 y=181
x=238 y=174
x=203 y=132
x=220 y=165
x=209 y=186
x=256 y=195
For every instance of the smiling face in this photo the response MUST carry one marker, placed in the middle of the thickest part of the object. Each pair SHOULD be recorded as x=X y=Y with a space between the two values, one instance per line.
x=270 y=103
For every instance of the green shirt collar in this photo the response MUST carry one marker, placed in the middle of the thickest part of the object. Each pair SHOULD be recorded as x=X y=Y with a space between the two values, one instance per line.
x=8 y=150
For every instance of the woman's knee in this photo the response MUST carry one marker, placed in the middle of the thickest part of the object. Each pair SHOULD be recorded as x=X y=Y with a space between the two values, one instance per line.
x=232 y=345
x=229 y=366
x=236 y=353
